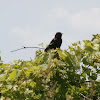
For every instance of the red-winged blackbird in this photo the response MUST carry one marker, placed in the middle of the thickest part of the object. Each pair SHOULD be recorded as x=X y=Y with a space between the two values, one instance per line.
x=56 y=42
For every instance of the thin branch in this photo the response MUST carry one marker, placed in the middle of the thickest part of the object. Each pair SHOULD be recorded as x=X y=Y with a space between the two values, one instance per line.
x=17 y=49
x=83 y=95
x=26 y=48
x=85 y=70
x=34 y=47
x=87 y=81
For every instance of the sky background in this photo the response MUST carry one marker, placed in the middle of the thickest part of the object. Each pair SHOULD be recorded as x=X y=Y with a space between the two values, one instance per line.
x=31 y=22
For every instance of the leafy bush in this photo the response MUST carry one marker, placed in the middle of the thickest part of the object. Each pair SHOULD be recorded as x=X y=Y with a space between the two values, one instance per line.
x=57 y=75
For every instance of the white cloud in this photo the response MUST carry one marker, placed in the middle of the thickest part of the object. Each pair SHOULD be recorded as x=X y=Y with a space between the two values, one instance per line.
x=83 y=19
x=86 y=19
x=22 y=32
x=58 y=13
x=28 y=35
x=17 y=30
x=23 y=36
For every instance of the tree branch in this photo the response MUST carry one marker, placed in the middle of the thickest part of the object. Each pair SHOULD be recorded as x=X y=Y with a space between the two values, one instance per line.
x=26 y=48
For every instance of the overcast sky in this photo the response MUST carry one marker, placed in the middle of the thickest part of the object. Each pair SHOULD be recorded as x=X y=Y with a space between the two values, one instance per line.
x=31 y=22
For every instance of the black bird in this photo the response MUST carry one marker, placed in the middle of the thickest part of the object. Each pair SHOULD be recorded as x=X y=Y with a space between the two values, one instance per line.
x=56 y=42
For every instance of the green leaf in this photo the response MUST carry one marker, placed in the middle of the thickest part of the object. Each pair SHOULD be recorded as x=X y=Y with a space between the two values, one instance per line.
x=9 y=86
x=93 y=76
x=40 y=44
x=3 y=76
x=74 y=44
x=89 y=48
x=4 y=91
x=60 y=63
x=37 y=61
x=44 y=66
x=33 y=84
x=45 y=58
x=84 y=75
x=1 y=64
x=12 y=75
x=62 y=71
x=62 y=54
x=85 y=61
x=95 y=41
x=96 y=47
x=54 y=75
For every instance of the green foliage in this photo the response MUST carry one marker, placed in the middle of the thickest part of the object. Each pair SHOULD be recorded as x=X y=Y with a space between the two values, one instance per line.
x=55 y=75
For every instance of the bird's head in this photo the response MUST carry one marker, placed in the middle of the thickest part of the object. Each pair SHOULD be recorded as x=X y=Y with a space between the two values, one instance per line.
x=58 y=35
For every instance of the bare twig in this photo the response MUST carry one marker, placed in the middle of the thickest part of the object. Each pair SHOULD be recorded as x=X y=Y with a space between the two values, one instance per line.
x=26 y=48
x=83 y=95
x=85 y=70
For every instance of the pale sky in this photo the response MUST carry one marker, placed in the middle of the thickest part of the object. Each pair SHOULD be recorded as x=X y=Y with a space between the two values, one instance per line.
x=31 y=22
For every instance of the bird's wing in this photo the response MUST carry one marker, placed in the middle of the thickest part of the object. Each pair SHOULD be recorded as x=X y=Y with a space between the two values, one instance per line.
x=52 y=42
